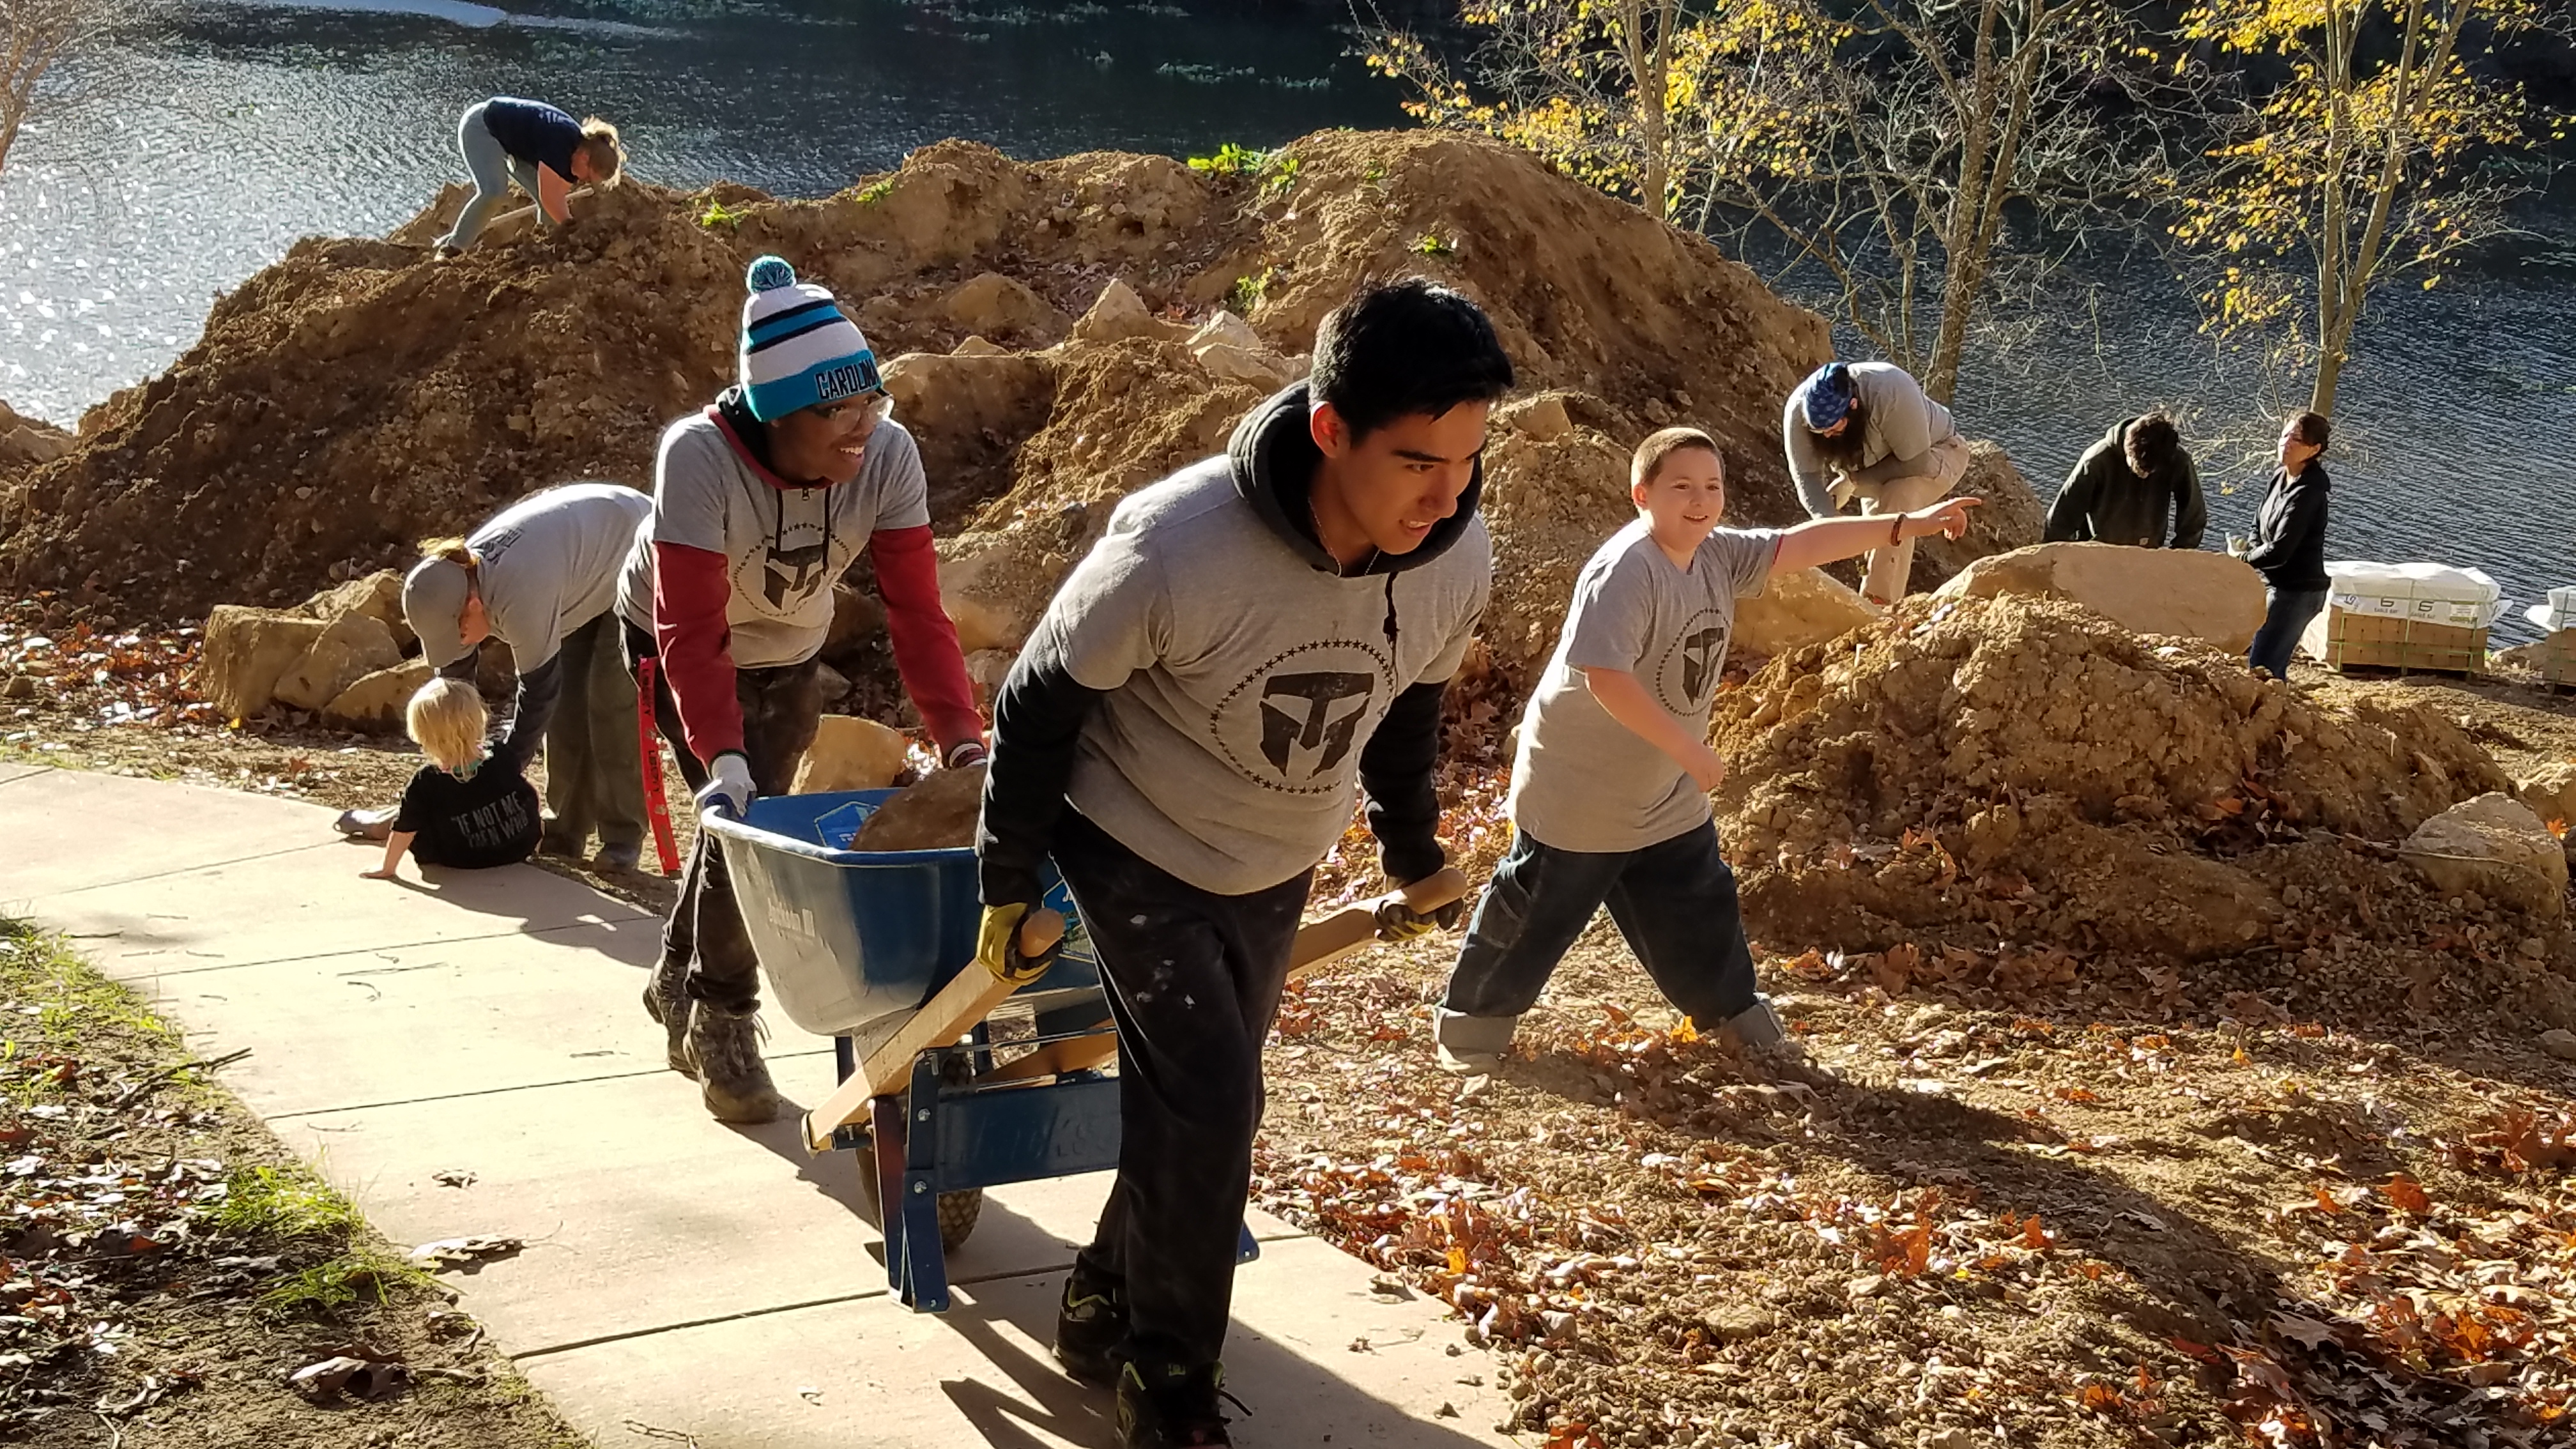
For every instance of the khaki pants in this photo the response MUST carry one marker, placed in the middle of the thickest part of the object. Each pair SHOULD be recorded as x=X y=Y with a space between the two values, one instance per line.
x=594 y=767
x=1891 y=569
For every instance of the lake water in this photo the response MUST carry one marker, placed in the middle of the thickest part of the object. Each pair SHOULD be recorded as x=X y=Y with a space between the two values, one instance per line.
x=261 y=121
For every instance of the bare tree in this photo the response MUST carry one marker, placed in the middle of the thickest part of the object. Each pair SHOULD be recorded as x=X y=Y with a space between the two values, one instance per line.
x=36 y=38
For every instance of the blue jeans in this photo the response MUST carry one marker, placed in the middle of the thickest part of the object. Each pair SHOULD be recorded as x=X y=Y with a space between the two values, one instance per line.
x=493 y=169
x=1674 y=901
x=2286 y=614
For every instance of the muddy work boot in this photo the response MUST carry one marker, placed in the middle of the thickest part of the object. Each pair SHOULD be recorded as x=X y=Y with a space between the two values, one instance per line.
x=624 y=856
x=1756 y=1036
x=1091 y=1326
x=669 y=1008
x=1168 y=1407
x=723 y=1049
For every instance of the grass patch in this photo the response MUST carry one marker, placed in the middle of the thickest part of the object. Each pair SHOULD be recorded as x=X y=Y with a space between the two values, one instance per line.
x=70 y=1000
x=1430 y=244
x=364 y=1275
x=718 y=214
x=1251 y=291
x=876 y=191
x=284 y=1203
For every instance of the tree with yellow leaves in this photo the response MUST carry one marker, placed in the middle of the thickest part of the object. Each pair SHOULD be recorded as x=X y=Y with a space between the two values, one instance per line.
x=2382 y=156
x=1877 y=145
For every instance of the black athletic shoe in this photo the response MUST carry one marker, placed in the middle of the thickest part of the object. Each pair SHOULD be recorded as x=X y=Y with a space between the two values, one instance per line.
x=1090 y=1327
x=1170 y=1407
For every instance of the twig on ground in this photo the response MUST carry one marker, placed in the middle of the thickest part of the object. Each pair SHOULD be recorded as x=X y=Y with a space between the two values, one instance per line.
x=651 y=1431
x=144 y=1088
x=115 y=1435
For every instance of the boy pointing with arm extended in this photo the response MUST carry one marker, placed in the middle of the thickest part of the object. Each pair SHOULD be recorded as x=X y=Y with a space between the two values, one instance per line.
x=1253 y=641
x=1609 y=798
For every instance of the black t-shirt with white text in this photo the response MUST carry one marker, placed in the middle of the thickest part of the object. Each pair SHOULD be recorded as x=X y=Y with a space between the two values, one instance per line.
x=485 y=820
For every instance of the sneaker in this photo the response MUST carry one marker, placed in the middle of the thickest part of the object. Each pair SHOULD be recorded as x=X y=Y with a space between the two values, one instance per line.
x=1091 y=1327
x=373 y=824
x=621 y=857
x=1471 y=1046
x=665 y=1002
x=1170 y=1407
x=557 y=842
x=724 y=1048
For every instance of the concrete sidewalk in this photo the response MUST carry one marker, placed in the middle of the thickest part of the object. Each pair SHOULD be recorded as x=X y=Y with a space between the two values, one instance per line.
x=682 y=1278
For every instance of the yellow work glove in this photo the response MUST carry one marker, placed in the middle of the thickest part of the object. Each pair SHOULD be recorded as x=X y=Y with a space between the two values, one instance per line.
x=997 y=946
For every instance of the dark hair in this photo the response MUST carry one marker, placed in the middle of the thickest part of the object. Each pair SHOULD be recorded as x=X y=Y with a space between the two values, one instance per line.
x=2313 y=430
x=1662 y=445
x=1843 y=450
x=2153 y=442
x=1399 y=348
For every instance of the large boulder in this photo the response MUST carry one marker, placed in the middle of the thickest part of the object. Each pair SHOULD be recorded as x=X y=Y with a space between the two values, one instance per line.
x=247 y=651
x=1119 y=315
x=25 y=441
x=850 y=753
x=2495 y=847
x=994 y=305
x=1798 y=608
x=377 y=701
x=378 y=596
x=2147 y=590
x=348 y=649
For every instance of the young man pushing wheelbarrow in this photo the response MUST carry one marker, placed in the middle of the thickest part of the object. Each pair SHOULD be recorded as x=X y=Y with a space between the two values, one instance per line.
x=1254 y=640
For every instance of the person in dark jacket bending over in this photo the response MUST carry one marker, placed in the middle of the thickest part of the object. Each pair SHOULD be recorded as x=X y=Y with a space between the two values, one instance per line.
x=2289 y=544
x=544 y=149
x=2127 y=487
x=760 y=503
x=1254 y=640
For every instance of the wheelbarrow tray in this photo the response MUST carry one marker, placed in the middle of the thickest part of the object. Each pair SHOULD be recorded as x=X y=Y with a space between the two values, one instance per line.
x=851 y=939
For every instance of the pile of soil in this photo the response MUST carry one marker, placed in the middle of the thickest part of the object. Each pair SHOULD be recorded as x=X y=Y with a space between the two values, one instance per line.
x=2026 y=795
x=938 y=813
x=360 y=395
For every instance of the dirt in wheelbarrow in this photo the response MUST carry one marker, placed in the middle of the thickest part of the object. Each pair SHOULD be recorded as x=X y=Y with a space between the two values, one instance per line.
x=168 y=1268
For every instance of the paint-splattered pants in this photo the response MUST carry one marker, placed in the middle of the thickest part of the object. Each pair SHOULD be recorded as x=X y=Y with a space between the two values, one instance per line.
x=1193 y=980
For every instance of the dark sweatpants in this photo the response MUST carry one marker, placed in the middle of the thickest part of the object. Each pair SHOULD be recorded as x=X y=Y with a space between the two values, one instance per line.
x=781 y=709
x=1193 y=981
x=1674 y=901
x=594 y=779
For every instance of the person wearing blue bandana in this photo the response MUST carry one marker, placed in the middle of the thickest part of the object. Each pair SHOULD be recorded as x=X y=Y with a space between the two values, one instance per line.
x=1866 y=431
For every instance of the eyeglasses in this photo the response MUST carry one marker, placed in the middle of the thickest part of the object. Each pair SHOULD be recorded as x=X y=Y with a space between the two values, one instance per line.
x=873 y=409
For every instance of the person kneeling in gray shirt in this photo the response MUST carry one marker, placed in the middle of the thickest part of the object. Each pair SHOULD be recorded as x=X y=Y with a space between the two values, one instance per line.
x=1253 y=642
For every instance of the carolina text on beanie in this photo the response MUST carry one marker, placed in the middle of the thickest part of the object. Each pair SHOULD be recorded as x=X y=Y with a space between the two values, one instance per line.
x=797 y=348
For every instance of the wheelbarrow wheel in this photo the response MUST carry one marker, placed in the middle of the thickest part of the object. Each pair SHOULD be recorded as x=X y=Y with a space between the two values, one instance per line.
x=958 y=1211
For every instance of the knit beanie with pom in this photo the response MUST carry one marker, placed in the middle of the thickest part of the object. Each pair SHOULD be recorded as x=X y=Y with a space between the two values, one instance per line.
x=797 y=348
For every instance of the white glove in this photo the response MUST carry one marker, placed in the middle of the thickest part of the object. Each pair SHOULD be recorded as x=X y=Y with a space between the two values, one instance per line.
x=728 y=784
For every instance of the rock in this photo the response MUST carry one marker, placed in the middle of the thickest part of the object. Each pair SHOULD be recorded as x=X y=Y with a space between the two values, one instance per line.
x=987 y=668
x=376 y=702
x=849 y=753
x=994 y=304
x=2550 y=791
x=857 y=616
x=2185 y=592
x=980 y=624
x=20 y=686
x=977 y=345
x=1796 y=609
x=247 y=651
x=1119 y=315
x=1226 y=330
x=378 y=596
x=970 y=412
x=2560 y=1043
x=347 y=650
x=831 y=683
x=2492 y=846
x=25 y=441
x=2011 y=518
x=1235 y=364
x=1543 y=417
x=937 y=814
x=1736 y=1322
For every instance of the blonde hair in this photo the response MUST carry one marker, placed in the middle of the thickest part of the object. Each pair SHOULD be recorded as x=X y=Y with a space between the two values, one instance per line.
x=446 y=718
x=607 y=154
x=1661 y=446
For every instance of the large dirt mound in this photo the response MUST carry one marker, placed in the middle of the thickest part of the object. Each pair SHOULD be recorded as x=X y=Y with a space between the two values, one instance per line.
x=358 y=395
x=2011 y=788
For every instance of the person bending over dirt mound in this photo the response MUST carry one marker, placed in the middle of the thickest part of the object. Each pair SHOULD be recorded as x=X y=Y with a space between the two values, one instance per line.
x=544 y=149
x=759 y=504
x=1870 y=426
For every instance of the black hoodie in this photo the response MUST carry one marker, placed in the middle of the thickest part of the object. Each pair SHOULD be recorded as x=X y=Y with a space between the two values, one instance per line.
x=1041 y=714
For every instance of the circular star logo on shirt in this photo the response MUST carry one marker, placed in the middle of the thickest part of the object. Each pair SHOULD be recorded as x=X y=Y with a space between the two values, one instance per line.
x=1686 y=677
x=1298 y=722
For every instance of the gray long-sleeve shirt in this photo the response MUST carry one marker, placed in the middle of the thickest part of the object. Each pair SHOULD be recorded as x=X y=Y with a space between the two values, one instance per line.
x=1899 y=425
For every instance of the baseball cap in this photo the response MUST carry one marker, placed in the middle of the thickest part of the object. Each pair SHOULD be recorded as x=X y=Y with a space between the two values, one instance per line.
x=433 y=603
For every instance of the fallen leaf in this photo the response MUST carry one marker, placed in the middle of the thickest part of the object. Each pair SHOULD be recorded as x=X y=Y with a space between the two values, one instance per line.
x=450 y=1252
x=2307 y=1331
x=2406 y=1193
x=357 y=1377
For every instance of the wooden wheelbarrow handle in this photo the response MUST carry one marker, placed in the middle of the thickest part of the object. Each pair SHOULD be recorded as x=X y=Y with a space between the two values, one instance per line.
x=971 y=995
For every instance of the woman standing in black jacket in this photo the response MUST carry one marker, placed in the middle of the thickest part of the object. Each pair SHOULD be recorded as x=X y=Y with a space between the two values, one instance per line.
x=2289 y=547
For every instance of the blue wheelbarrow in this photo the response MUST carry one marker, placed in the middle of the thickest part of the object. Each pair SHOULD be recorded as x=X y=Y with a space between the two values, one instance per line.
x=876 y=950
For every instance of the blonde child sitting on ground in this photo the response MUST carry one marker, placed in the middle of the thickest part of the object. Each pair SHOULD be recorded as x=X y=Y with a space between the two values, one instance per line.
x=471 y=807
x=1609 y=799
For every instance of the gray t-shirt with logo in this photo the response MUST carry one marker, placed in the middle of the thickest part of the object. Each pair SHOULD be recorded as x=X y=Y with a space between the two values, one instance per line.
x=1241 y=682
x=783 y=548
x=1583 y=781
x=551 y=563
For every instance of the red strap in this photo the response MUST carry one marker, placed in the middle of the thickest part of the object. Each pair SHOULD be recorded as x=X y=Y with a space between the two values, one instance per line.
x=656 y=807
